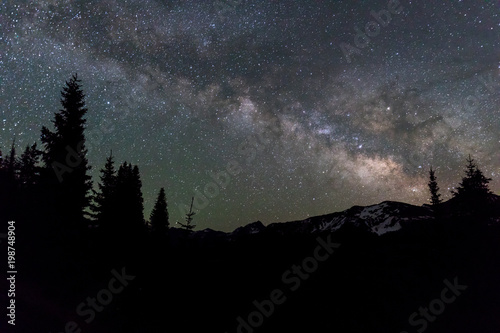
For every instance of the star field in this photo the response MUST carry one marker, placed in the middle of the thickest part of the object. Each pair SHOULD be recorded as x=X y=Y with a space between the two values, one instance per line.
x=185 y=88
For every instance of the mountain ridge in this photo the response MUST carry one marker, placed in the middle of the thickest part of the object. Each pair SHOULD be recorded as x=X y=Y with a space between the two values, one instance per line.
x=379 y=219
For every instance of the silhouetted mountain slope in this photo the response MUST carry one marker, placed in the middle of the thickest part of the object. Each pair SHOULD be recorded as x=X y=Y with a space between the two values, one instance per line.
x=389 y=260
x=387 y=216
x=379 y=219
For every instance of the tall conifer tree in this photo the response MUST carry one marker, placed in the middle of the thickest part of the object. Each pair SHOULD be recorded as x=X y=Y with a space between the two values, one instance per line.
x=29 y=170
x=159 y=215
x=130 y=214
x=473 y=193
x=105 y=204
x=434 y=189
x=66 y=165
x=474 y=185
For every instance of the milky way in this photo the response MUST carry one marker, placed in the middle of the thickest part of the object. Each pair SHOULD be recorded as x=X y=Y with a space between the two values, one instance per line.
x=308 y=107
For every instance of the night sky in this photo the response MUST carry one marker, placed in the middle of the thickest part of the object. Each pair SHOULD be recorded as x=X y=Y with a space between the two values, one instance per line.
x=309 y=115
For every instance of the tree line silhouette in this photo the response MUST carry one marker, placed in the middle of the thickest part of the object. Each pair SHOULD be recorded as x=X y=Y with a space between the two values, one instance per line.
x=472 y=197
x=53 y=184
x=72 y=233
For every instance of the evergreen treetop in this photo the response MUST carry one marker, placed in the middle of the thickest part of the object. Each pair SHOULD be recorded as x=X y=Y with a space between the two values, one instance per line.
x=188 y=226
x=105 y=198
x=129 y=199
x=29 y=170
x=66 y=166
x=159 y=215
x=474 y=184
x=435 y=198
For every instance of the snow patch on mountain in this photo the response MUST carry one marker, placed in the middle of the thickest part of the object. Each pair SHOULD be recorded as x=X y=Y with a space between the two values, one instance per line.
x=379 y=219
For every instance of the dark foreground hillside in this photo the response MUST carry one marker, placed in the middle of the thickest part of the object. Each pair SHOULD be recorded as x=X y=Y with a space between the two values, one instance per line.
x=368 y=283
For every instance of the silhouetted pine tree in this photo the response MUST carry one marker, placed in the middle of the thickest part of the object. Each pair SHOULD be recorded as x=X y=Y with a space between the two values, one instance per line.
x=105 y=206
x=8 y=185
x=159 y=215
x=473 y=192
x=138 y=207
x=65 y=172
x=130 y=214
x=480 y=183
x=29 y=204
x=11 y=165
x=29 y=169
x=434 y=189
x=474 y=185
x=188 y=226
